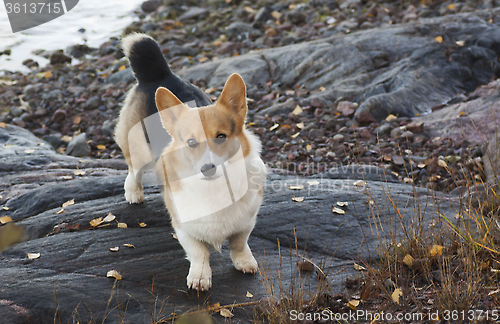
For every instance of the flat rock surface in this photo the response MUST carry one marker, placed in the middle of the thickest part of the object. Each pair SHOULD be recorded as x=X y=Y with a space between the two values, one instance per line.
x=68 y=280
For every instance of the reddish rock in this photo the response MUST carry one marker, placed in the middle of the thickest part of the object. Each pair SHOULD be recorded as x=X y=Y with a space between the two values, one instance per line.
x=415 y=127
x=59 y=116
x=347 y=108
x=365 y=118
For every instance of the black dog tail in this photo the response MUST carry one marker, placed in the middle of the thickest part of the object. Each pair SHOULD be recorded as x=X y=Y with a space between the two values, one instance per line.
x=146 y=58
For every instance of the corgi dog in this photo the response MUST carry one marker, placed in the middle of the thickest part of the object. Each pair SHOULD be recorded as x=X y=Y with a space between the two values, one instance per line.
x=209 y=163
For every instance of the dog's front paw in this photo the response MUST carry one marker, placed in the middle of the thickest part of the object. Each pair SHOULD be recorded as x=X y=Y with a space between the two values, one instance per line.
x=199 y=283
x=245 y=262
x=134 y=197
x=133 y=190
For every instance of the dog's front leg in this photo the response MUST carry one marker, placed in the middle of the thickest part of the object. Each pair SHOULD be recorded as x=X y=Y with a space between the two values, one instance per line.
x=241 y=255
x=133 y=188
x=200 y=273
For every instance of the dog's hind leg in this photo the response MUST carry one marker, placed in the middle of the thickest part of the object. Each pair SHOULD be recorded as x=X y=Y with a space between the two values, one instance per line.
x=241 y=255
x=134 y=193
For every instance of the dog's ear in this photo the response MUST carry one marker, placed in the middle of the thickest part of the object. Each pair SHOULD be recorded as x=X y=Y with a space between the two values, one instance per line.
x=169 y=107
x=234 y=97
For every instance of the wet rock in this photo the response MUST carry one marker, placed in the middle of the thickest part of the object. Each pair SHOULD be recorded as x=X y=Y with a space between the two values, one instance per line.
x=347 y=108
x=193 y=12
x=125 y=76
x=58 y=57
x=150 y=5
x=93 y=103
x=78 y=146
x=59 y=115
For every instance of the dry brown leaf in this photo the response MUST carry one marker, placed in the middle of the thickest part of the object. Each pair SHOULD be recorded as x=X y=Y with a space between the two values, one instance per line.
x=226 y=313
x=96 y=222
x=359 y=183
x=396 y=294
x=296 y=187
x=68 y=203
x=5 y=219
x=114 y=274
x=439 y=39
x=122 y=225
x=297 y=110
x=109 y=218
x=337 y=210
x=342 y=203
x=274 y=127
x=3 y=125
x=77 y=120
x=390 y=117
x=121 y=68
x=47 y=74
x=129 y=245
x=353 y=304
x=33 y=256
x=114 y=249
x=298 y=199
x=359 y=267
x=249 y=294
x=408 y=260
x=436 y=250
x=79 y=172
x=143 y=224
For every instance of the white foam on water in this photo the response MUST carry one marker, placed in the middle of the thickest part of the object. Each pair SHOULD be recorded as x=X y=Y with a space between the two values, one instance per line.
x=101 y=19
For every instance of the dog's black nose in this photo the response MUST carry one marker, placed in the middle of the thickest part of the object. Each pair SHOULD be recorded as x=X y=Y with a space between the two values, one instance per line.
x=208 y=170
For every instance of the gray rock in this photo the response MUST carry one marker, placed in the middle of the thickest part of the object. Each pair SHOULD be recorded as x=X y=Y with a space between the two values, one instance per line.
x=193 y=12
x=75 y=255
x=366 y=67
x=396 y=132
x=281 y=108
x=264 y=14
x=78 y=146
x=383 y=129
x=338 y=137
x=93 y=103
x=58 y=57
x=150 y=5
x=241 y=30
x=315 y=133
x=124 y=76
x=16 y=111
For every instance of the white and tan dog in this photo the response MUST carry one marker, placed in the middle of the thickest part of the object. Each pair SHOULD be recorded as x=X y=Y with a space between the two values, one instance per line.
x=211 y=169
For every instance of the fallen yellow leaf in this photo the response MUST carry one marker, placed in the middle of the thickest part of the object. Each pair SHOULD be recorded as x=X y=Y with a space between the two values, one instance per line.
x=68 y=203
x=396 y=294
x=439 y=39
x=29 y=151
x=109 y=218
x=295 y=135
x=96 y=222
x=298 y=199
x=129 y=245
x=66 y=138
x=10 y=234
x=274 y=127
x=5 y=219
x=359 y=267
x=121 y=68
x=390 y=117
x=296 y=187
x=342 y=203
x=122 y=225
x=359 y=183
x=337 y=210
x=321 y=88
x=114 y=274
x=3 y=125
x=60 y=211
x=408 y=260
x=79 y=172
x=436 y=250
x=101 y=147
x=353 y=304
x=442 y=163
x=143 y=224
x=308 y=147
x=114 y=249
x=249 y=294
x=226 y=313
x=276 y=14
x=33 y=256
x=297 y=110
x=460 y=43
x=48 y=74
x=5 y=208
x=300 y=125
x=67 y=177
x=313 y=182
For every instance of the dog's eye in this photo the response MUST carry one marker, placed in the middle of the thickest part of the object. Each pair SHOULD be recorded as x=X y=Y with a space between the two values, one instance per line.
x=221 y=138
x=192 y=143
